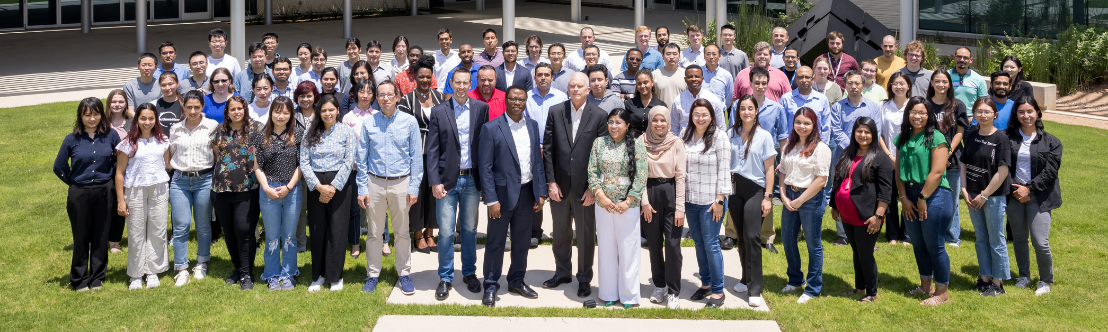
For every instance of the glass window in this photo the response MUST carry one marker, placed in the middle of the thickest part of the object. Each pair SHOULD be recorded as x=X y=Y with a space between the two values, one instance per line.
x=11 y=14
x=105 y=11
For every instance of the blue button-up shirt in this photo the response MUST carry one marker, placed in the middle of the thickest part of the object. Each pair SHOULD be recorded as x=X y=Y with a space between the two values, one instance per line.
x=651 y=60
x=181 y=70
x=843 y=115
x=538 y=107
x=390 y=147
x=244 y=83
x=335 y=152
x=793 y=101
x=449 y=89
x=720 y=83
x=461 y=115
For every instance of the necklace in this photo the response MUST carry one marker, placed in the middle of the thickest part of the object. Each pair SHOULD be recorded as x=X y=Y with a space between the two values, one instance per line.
x=423 y=95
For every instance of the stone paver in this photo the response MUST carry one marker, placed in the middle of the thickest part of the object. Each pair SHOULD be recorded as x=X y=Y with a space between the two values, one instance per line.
x=561 y=324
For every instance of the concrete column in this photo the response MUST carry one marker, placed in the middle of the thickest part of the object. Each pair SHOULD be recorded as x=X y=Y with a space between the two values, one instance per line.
x=86 y=16
x=639 y=4
x=140 y=26
x=709 y=13
x=238 y=30
x=415 y=7
x=509 y=20
x=268 y=12
x=480 y=4
x=721 y=17
x=907 y=22
x=347 y=19
x=575 y=11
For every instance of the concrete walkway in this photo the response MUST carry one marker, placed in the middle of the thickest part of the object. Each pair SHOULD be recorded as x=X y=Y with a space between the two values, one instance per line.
x=562 y=324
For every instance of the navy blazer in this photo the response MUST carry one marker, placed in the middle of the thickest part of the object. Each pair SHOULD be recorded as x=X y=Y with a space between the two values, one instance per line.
x=522 y=78
x=500 y=163
x=443 y=147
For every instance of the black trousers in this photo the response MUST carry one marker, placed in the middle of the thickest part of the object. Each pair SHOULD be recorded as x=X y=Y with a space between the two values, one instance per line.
x=118 y=225
x=536 y=224
x=329 y=224
x=663 y=239
x=865 y=266
x=238 y=214
x=90 y=208
x=519 y=220
x=745 y=207
x=894 y=225
x=571 y=216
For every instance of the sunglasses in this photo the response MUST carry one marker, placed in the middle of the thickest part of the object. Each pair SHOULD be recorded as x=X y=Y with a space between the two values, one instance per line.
x=633 y=59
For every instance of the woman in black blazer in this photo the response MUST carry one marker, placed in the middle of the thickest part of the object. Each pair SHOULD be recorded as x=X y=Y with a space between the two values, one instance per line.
x=418 y=103
x=863 y=187
x=1036 y=159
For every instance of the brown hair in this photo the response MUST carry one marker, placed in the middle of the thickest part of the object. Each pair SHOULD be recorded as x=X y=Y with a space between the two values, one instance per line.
x=915 y=45
x=835 y=35
x=92 y=104
x=127 y=114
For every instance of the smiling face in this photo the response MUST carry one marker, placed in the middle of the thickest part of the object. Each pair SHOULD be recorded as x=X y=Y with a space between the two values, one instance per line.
x=642 y=38
x=780 y=36
x=693 y=79
x=644 y=85
x=217 y=44
x=118 y=104
x=1027 y=115
x=633 y=60
x=510 y=54
x=257 y=59
x=424 y=79
x=1001 y=87
x=616 y=127
x=400 y=52
x=445 y=40
x=281 y=72
x=963 y=58
x=701 y=117
x=941 y=83
x=329 y=80
x=759 y=83
x=790 y=59
x=353 y=53
x=236 y=111
x=386 y=96
x=414 y=54
x=900 y=86
x=147 y=119
x=863 y=136
x=803 y=126
x=486 y=81
x=747 y=111
x=270 y=46
x=465 y=52
x=869 y=72
x=304 y=55
x=360 y=74
x=168 y=86
x=318 y=62
x=372 y=55
x=659 y=125
x=984 y=114
x=556 y=55
x=194 y=109
x=762 y=57
x=591 y=56
x=280 y=116
x=460 y=82
x=534 y=49
x=1011 y=68
x=90 y=118
x=305 y=101
x=515 y=102
x=329 y=114
x=221 y=83
x=198 y=65
x=917 y=116
x=662 y=36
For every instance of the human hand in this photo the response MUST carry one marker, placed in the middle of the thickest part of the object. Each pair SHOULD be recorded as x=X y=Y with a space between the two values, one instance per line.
x=647 y=212
x=554 y=191
x=494 y=211
x=439 y=191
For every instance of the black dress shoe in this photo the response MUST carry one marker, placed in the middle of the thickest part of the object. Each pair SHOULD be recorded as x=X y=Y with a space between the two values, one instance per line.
x=700 y=294
x=584 y=289
x=555 y=282
x=715 y=303
x=472 y=284
x=524 y=291
x=726 y=243
x=489 y=298
x=233 y=279
x=246 y=284
x=769 y=247
x=443 y=291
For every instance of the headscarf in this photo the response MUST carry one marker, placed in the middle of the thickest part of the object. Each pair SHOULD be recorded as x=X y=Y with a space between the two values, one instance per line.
x=658 y=145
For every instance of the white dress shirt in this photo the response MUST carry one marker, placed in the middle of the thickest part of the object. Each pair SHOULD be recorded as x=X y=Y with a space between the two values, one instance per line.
x=682 y=106
x=523 y=148
x=575 y=119
x=191 y=150
x=691 y=57
x=444 y=63
x=575 y=62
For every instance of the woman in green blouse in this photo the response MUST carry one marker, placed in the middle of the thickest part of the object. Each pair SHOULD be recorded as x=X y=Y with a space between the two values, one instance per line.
x=617 y=177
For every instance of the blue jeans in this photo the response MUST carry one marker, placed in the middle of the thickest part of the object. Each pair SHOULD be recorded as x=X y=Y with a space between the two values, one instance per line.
x=809 y=217
x=280 y=217
x=953 y=235
x=189 y=199
x=463 y=197
x=828 y=185
x=927 y=235
x=705 y=234
x=992 y=249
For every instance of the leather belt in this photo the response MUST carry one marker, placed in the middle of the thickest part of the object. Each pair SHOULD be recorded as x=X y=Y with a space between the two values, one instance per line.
x=465 y=171
x=193 y=174
x=657 y=181
x=798 y=190
x=390 y=178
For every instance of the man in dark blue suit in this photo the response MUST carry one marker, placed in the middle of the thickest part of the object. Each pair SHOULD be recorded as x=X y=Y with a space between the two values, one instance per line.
x=512 y=73
x=453 y=139
x=515 y=188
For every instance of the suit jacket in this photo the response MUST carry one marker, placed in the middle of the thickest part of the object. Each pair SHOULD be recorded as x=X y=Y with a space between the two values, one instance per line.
x=865 y=195
x=1046 y=160
x=567 y=161
x=522 y=77
x=499 y=168
x=444 y=147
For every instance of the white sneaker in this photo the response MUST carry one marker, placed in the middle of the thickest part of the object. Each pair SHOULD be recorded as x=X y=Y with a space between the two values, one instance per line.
x=953 y=245
x=1042 y=288
x=336 y=286
x=136 y=283
x=181 y=279
x=658 y=295
x=673 y=302
x=756 y=301
x=200 y=271
x=740 y=288
x=152 y=281
x=1022 y=282
x=803 y=299
x=316 y=285
x=790 y=288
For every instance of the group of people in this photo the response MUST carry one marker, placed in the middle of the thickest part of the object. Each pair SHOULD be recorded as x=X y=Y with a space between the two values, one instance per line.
x=702 y=136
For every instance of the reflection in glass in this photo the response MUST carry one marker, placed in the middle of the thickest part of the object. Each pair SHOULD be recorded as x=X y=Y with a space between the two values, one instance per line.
x=11 y=14
x=166 y=9
x=105 y=11
x=71 y=11
x=42 y=12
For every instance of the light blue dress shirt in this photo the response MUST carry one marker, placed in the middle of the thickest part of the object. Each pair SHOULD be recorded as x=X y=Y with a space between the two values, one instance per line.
x=753 y=166
x=720 y=83
x=538 y=107
x=335 y=152
x=843 y=115
x=182 y=72
x=793 y=101
x=390 y=147
x=461 y=115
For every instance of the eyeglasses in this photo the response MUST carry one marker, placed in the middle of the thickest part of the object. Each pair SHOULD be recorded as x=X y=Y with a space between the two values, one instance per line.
x=853 y=83
x=386 y=95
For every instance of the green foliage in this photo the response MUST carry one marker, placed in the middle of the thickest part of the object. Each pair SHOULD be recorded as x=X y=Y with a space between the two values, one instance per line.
x=794 y=9
x=753 y=25
x=709 y=31
x=1079 y=57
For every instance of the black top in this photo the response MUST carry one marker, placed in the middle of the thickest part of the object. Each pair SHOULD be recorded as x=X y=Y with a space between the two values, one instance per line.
x=86 y=161
x=866 y=194
x=639 y=112
x=278 y=160
x=1023 y=88
x=169 y=114
x=1046 y=160
x=960 y=119
x=234 y=162
x=983 y=157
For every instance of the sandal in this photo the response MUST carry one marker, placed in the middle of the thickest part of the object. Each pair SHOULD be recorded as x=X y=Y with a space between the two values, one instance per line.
x=868 y=299
x=919 y=291
x=934 y=301
x=425 y=249
x=852 y=292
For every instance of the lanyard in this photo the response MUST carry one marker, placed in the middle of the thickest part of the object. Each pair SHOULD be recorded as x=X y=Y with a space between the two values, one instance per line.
x=835 y=73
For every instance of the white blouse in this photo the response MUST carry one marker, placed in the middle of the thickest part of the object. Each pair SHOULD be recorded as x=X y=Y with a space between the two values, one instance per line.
x=707 y=171
x=146 y=166
x=191 y=150
x=893 y=117
x=800 y=171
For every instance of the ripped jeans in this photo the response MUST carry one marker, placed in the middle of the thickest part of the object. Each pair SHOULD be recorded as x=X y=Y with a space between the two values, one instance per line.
x=280 y=217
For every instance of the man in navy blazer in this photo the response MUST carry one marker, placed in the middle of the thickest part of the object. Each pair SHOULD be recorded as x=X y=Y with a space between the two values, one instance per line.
x=520 y=75
x=453 y=139
x=515 y=187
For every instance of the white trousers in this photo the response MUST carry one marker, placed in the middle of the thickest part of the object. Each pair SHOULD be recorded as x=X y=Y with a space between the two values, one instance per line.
x=388 y=198
x=148 y=209
x=617 y=238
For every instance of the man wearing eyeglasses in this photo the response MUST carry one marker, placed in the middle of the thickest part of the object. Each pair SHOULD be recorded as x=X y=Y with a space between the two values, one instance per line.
x=168 y=53
x=244 y=80
x=270 y=42
x=888 y=63
x=789 y=57
x=920 y=77
x=968 y=85
x=651 y=59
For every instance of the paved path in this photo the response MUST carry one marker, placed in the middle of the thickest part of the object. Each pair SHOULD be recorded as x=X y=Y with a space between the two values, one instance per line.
x=561 y=324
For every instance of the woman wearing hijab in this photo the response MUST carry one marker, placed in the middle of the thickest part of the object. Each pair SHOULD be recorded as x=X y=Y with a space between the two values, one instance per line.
x=663 y=206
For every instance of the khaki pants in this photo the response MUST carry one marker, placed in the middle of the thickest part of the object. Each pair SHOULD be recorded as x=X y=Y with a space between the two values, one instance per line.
x=388 y=198
x=768 y=233
x=148 y=209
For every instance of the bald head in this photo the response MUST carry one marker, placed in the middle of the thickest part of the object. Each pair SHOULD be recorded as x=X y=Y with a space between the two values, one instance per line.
x=578 y=88
x=804 y=79
x=888 y=47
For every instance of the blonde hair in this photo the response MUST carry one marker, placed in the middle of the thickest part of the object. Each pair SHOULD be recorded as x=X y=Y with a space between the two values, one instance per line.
x=917 y=46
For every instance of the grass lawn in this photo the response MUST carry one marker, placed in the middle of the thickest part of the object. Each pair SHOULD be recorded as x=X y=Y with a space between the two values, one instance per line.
x=35 y=250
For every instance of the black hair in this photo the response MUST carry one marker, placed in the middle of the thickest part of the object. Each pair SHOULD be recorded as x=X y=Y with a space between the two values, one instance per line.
x=396 y=42
x=855 y=72
x=282 y=60
x=167 y=44
x=192 y=95
x=757 y=71
x=315 y=131
x=395 y=89
x=280 y=103
x=653 y=90
x=671 y=45
x=659 y=28
x=424 y=61
x=543 y=65
x=217 y=32
x=442 y=31
x=92 y=104
x=727 y=27
x=1014 y=124
x=894 y=77
x=552 y=46
x=148 y=55
x=586 y=47
x=597 y=68
x=304 y=45
x=354 y=68
x=628 y=140
x=1019 y=65
x=698 y=67
x=929 y=127
x=353 y=41
x=948 y=108
x=198 y=53
x=486 y=32
x=995 y=75
x=168 y=74
x=225 y=131
x=254 y=47
x=510 y=43
x=352 y=95
x=709 y=132
x=842 y=167
x=259 y=78
x=373 y=44
x=737 y=127
x=515 y=87
x=269 y=35
x=486 y=67
x=333 y=71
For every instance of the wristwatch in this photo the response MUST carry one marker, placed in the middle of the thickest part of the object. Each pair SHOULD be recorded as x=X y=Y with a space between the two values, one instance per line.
x=720 y=202
x=881 y=218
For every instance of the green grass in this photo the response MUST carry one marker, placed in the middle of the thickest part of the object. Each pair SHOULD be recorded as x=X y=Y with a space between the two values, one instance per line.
x=35 y=248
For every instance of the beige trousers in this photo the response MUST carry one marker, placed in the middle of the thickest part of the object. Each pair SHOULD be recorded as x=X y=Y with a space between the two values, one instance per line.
x=388 y=198
x=146 y=229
